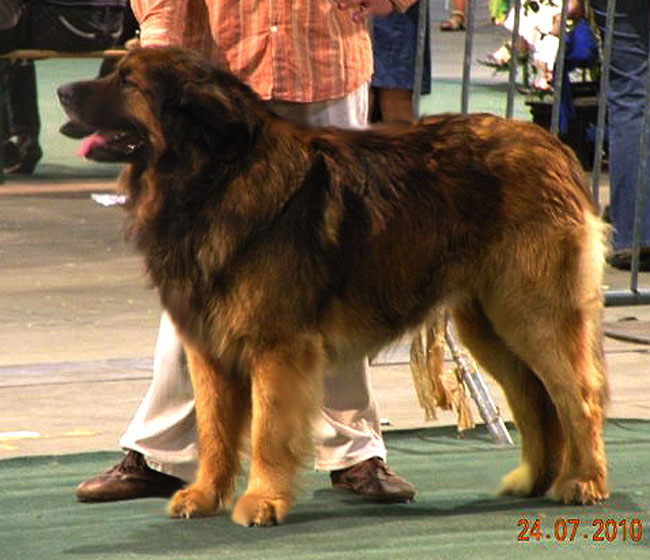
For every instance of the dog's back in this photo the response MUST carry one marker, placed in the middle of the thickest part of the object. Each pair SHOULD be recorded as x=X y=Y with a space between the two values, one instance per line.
x=446 y=208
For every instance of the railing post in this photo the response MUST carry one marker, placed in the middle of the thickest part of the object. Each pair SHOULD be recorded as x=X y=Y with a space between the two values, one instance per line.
x=641 y=188
x=602 y=101
x=467 y=59
x=423 y=22
x=558 y=71
x=514 y=55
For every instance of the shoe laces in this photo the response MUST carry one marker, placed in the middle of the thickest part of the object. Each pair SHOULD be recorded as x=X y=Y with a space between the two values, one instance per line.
x=382 y=467
x=132 y=462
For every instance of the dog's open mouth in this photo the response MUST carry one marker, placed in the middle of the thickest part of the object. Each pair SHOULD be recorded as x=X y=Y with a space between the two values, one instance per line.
x=111 y=146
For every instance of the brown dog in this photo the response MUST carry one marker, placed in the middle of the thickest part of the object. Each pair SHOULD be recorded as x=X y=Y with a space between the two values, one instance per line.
x=281 y=251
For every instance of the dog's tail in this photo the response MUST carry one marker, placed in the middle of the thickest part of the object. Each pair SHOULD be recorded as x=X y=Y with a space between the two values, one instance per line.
x=593 y=264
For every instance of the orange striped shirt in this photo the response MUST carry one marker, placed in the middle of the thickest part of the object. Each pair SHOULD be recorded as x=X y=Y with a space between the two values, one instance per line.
x=301 y=50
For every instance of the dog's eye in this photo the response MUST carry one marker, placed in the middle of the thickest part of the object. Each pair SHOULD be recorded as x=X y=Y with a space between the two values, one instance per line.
x=124 y=78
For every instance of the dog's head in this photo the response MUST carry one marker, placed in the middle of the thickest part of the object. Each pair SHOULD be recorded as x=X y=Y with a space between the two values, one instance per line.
x=160 y=101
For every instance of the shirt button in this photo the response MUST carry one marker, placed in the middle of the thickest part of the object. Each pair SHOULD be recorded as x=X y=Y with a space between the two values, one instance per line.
x=273 y=29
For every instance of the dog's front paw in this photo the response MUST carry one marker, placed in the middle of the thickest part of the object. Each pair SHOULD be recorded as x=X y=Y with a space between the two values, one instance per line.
x=193 y=501
x=572 y=491
x=253 y=510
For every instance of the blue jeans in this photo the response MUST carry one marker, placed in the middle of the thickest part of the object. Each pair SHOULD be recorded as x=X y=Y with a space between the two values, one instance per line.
x=626 y=98
x=394 y=42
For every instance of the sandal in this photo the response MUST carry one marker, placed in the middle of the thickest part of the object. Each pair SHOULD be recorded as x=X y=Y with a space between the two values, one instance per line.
x=455 y=23
x=499 y=59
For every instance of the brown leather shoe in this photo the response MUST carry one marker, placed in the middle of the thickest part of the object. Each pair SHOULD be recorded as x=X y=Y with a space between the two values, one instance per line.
x=373 y=480
x=129 y=479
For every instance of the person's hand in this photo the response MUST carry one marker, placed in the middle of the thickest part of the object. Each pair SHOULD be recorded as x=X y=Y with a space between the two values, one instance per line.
x=360 y=9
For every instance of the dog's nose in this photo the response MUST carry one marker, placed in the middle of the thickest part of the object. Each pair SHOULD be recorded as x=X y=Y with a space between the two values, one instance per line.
x=65 y=93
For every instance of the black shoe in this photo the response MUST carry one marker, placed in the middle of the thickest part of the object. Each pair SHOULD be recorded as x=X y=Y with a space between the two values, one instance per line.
x=11 y=155
x=129 y=479
x=75 y=130
x=622 y=260
x=30 y=154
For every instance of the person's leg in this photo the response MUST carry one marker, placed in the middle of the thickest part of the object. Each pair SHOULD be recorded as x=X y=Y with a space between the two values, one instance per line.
x=161 y=437
x=23 y=121
x=348 y=438
x=500 y=58
x=396 y=105
x=394 y=49
x=626 y=101
x=457 y=20
x=22 y=99
x=164 y=426
x=348 y=430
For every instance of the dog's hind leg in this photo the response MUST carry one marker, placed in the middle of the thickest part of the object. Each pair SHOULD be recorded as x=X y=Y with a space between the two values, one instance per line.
x=286 y=389
x=549 y=313
x=222 y=412
x=565 y=356
x=534 y=413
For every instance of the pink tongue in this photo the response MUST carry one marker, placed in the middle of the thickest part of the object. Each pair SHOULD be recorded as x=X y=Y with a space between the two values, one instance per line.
x=90 y=143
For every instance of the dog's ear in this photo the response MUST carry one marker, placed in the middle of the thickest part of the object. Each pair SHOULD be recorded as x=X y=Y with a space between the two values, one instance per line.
x=205 y=115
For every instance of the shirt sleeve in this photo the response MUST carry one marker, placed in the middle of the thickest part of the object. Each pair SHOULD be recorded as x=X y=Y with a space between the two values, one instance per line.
x=161 y=21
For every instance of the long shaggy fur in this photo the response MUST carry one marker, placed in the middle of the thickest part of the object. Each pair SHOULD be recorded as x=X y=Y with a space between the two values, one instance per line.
x=280 y=251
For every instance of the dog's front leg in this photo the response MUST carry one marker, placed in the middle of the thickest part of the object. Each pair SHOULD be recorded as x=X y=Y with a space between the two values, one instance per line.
x=286 y=390
x=222 y=411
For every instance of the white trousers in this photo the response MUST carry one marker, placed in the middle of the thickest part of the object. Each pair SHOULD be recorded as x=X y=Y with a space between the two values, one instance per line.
x=347 y=430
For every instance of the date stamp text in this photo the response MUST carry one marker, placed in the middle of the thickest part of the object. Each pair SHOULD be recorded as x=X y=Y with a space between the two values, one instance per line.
x=571 y=529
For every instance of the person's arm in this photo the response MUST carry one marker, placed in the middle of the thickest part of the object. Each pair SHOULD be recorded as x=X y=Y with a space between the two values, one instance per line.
x=364 y=8
x=576 y=9
x=403 y=5
x=162 y=22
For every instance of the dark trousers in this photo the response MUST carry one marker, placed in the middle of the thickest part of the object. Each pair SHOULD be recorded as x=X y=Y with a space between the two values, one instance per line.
x=626 y=99
x=21 y=105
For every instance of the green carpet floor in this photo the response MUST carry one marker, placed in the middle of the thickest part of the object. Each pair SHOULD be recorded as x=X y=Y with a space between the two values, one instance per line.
x=456 y=515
